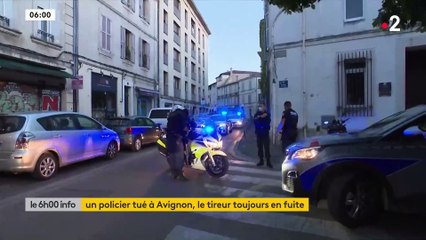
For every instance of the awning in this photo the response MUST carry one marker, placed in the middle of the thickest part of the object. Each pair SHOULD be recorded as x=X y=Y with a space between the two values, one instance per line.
x=32 y=68
x=148 y=92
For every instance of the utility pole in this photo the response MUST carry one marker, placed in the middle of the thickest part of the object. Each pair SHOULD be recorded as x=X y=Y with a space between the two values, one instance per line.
x=75 y=53
x=157 y=80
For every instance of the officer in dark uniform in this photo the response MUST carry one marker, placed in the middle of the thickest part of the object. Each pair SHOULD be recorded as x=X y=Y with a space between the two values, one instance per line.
x=262 y=123
x=289 y=126
x=177 y=127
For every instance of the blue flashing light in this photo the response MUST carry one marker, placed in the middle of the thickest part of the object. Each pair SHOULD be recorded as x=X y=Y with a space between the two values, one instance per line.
x=209 y=129
x=239 y=113
x=224 y=113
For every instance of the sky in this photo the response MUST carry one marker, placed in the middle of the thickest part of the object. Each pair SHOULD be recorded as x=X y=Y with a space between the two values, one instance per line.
x=234 y=39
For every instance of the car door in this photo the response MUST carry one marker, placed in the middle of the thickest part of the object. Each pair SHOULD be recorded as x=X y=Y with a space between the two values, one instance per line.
x=94 y=140
x=70 y=138
x=153 y=130
x=406 y=150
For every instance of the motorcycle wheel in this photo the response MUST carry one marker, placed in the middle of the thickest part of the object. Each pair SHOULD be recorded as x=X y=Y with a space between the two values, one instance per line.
x=221 y=168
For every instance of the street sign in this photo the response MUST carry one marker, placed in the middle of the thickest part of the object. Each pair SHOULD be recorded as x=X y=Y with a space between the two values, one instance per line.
x=77 y=83
x=283 y=84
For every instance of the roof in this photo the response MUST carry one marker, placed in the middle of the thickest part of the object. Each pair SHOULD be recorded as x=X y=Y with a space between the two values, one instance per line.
x=212 y=84
x=237 y=72
x=233 y=80
x=199 y=16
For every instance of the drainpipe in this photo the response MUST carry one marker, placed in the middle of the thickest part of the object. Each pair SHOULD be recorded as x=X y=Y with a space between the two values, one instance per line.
x=157 y=80
x=305 y=100
x=75 y=53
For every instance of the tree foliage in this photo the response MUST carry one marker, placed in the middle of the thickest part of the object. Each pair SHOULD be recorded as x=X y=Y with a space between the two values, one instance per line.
x=412 y=13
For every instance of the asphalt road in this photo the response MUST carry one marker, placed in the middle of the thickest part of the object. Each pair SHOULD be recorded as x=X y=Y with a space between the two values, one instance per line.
x=144 y=174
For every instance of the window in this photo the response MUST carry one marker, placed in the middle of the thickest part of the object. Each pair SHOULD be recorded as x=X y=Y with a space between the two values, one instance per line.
x=193 y=71
x=176 y=31
x=177 y=8
x=186 y=19
x=193 y=49
x=199 y=36
x=186 y=66
x=177 y=87
x=355 y=83
x=5 y=11
x=204 y=41
x=65 y=122
x=354 y=9
x=165 y=22
x=129 y=3
x=192 y=27
x=44 y=30
x=199 y=75
x=127 y=45
x=144 y=9
x=165 y=53
x=176 y=60
x=10 y=124
x=144 y=53
x=186 y=42
x=105 y=33
x=199 y=55
x=166 y=83
x=204 y=60
x=87 y=123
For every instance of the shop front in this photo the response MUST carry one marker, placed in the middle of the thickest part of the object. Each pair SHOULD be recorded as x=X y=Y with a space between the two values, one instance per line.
x=104 y=97
x=145 y=100
x=26 y=87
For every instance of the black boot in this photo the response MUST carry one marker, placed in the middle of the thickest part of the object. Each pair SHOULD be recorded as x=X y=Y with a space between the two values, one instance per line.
x=268 y=163
x=260 y=163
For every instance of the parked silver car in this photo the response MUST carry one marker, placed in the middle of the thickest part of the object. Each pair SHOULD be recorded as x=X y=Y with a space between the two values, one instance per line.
x=41 y=142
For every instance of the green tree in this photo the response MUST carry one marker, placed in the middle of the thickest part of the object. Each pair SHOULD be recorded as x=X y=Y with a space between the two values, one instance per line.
x=412 y=13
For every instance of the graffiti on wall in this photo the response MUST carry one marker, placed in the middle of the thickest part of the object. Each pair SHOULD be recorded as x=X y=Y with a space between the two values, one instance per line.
x=50 y=100
x=18 y=97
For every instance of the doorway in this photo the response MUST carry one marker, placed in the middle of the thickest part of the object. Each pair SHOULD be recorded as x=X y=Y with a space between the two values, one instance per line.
x=126 y=100
x=415 y=79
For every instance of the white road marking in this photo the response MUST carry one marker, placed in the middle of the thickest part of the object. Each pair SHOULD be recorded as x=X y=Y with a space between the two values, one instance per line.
x=254 y=180
x=256 y=171
x=237 y=192
x=181 y=232
x=282 y=221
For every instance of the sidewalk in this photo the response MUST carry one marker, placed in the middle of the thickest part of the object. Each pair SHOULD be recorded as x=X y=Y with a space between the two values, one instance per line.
x=246 y=148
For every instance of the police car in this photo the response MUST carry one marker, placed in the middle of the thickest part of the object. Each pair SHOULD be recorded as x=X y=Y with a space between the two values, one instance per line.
x=360 y=174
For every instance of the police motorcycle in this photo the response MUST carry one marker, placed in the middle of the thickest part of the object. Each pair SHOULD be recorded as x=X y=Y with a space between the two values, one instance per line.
x=204 y=151
x=337 y=126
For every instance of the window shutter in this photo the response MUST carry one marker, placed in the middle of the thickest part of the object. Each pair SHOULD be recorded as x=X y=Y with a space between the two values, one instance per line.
x=123 y=43
x=133 y=47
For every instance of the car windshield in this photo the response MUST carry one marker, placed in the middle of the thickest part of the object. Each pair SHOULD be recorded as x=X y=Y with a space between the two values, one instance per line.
x=159 y=113
x=10 y=124
x=385 y=124
x=117 y=122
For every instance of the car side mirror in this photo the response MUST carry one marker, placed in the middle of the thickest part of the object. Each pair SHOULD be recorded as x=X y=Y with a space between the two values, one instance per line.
x=413 y=131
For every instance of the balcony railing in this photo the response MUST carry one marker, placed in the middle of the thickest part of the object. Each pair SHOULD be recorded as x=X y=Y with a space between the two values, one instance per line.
x=4 y=21
x=176 y=65
x=166 y=59
x=45 y=36
x=177 y=12
x=177 y=93
x=176 y=38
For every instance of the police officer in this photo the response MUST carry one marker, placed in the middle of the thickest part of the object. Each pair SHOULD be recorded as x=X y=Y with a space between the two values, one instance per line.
x=177 y=127
x=289 y=126
x=262 y=123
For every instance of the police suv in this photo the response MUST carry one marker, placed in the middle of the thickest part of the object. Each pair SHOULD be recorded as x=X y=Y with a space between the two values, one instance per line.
x=360 y=174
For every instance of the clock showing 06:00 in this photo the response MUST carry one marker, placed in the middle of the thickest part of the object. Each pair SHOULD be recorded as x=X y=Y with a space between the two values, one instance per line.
x=40 y=14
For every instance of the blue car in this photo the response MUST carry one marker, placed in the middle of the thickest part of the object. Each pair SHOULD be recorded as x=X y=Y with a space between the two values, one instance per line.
x=361 y=174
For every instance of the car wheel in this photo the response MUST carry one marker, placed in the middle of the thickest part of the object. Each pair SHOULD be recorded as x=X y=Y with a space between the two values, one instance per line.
x=354 y=200
x=112 y=150
x=137 y=145
x=46 y=166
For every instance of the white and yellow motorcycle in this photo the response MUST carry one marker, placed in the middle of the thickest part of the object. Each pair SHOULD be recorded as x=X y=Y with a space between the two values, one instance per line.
x=204 y=153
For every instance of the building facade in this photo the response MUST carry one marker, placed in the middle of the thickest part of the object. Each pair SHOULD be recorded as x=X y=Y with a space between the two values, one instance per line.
x=228 y=86
x=331 y=62
x=118 y=57
x=35 y=58
x=183 y=54
x=212 y=95
x=250 y=94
